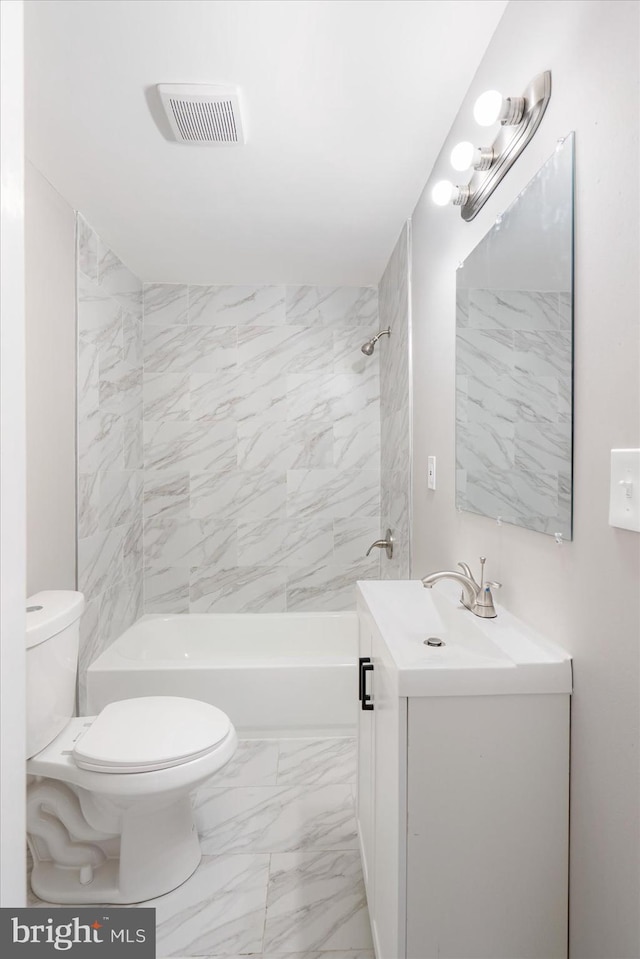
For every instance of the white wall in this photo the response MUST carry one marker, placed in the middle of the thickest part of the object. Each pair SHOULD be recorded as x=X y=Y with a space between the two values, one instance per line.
x=51 y=378
x=583 y=594
x=12 y=462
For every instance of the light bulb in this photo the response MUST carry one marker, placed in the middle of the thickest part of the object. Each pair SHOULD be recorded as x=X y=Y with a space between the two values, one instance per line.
x=488 y=107
x=462 y=156
x=442 y=193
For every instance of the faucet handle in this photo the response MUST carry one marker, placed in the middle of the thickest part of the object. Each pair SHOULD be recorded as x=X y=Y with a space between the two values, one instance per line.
x=484 y=600
x=490 y=583
x=466 y=569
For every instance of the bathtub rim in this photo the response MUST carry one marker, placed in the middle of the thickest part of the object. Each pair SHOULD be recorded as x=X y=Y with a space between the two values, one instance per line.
x=113 y=658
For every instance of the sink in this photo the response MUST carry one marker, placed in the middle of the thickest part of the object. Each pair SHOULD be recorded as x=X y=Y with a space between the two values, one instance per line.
x=477 y=656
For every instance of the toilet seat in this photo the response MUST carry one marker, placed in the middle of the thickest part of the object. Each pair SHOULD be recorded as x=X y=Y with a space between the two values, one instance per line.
x=150 y=733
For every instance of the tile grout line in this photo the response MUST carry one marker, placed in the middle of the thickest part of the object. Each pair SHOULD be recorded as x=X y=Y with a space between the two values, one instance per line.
x=266 y=902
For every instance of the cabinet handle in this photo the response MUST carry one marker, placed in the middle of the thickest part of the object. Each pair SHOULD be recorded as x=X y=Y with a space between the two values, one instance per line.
x=366 y=698
x=361 y=661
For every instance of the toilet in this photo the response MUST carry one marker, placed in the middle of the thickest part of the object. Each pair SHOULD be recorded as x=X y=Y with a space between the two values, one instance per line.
x=109 y=812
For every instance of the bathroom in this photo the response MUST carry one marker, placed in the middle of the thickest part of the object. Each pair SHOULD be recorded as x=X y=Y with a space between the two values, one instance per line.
x=580 y=592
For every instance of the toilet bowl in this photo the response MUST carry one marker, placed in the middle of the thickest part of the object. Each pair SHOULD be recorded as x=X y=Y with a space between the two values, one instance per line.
x=109 y=812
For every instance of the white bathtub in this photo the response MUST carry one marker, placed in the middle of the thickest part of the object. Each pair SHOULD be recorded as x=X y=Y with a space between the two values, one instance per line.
x=274 y=674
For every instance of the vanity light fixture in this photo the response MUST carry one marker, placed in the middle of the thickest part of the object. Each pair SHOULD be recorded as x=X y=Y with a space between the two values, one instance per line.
x=465 y=155
x=519 y=118
x=444 y=193
x=462 y=156
x=491 y=106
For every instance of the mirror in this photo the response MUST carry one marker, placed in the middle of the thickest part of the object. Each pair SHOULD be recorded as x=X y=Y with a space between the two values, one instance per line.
x=514 y=351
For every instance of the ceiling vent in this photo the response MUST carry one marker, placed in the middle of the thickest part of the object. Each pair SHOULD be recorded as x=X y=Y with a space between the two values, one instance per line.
x=203 y=115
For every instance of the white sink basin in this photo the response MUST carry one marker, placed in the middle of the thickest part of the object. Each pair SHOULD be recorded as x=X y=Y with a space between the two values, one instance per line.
x=478 y=656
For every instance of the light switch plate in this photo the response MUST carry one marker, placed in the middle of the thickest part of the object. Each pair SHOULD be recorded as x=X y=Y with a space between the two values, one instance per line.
x=624 y=495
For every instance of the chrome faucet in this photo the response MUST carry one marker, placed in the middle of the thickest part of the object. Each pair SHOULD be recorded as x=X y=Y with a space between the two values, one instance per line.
x=475 y=596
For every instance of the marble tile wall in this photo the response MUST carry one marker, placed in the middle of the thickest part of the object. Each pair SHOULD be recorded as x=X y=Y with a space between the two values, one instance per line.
x=513 y=406
x=109 y=444
x=261 y=447
x=395 y=408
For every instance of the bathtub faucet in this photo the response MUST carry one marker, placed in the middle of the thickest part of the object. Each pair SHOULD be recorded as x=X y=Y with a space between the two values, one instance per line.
x=475 y=596
x=385 y=544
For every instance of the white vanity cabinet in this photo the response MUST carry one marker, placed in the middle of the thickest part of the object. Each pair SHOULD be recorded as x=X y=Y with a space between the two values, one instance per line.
x=382 y=780
x=463 y=779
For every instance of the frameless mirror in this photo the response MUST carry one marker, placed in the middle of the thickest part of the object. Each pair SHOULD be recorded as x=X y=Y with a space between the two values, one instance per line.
x=514 y=353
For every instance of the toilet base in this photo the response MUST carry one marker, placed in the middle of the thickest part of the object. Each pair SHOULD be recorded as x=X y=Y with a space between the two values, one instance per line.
x=159 y=850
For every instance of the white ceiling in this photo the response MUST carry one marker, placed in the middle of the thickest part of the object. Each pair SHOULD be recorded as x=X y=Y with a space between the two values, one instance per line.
x=346 y=102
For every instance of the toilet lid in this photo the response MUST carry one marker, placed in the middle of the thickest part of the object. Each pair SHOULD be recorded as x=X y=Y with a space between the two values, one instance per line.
x=153 y=732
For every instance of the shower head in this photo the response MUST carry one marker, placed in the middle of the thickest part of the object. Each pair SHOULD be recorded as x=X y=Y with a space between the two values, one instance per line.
x=368 y=347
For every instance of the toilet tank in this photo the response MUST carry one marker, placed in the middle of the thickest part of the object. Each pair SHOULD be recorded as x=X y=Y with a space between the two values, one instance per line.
x=53 y=635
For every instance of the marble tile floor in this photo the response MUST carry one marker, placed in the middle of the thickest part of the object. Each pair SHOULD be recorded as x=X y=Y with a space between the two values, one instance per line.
x=280 y=876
